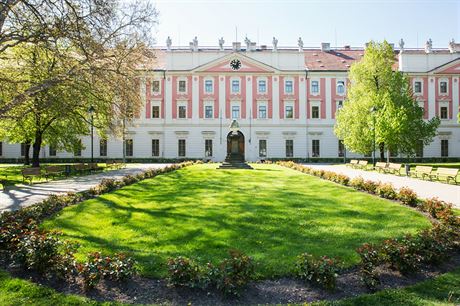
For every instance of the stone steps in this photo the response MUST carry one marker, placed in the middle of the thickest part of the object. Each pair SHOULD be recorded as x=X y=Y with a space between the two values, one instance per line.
x=234 y=165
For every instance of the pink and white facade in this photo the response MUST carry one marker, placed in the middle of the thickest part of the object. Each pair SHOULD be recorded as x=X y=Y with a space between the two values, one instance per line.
x=284 y=100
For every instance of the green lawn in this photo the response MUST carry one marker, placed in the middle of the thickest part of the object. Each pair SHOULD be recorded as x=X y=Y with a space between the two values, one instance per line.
x=271 y=213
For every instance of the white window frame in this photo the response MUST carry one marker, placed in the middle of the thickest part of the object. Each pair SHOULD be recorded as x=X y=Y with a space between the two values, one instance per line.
x=446 y=105
x=159 y=147
x=421 y=86
x=235 y=103
x=311 y=87
x=266 y=85
x=212 y=148
x=291 y=104
x=155 y=103
x=212 y=86
x=156 y=93
x=266 y=147
x=179 y=104
x=312 y=104
x=207 y=104
x=186 y=85
x=447 y=86
x=259 y=104
x=285 y=82
x=231 y=86
x=285 y=147
x=337 y=87
x=185 y=147
x=337 y=105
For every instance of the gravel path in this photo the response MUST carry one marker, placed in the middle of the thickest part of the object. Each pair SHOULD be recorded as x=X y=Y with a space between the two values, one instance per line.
x=15 y=197
x=424 y=189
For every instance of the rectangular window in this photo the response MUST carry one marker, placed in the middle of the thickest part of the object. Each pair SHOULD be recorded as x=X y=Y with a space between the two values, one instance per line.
x=156 y=86
x=262 y=148
x=182 y=111
x=340 y=87
x=339 y=104
x=289 y=148
x=419 y=149
x=235 y=112
x=235 y=86
x=52 y=150
x=182 y=86
x=262 y=111
x=289 y=112
x=155 y=147
x=443 y=87
x=208 y=111
x=155 y=111
x=314 y=87
x=181 y=147
x=288 y=87
x=315 y=148
x=23 y=149
x=444 y=147
x=417 y=87
x=262 y=86
x=315 y=112
x=103 y=147
x=341 y=149
x=444 y=112
x=129 y=147
x=77 y=149
x=208 y=86
x=208 y=147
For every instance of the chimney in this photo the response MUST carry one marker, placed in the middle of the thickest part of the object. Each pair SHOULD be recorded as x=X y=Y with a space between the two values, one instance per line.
x=236 y=46
x=347 y=47
x=253 y=46
x=325 y=47
x=263 y=47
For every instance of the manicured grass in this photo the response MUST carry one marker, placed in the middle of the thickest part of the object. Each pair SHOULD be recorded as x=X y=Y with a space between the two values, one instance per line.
x=271 y=213
x=443 y=290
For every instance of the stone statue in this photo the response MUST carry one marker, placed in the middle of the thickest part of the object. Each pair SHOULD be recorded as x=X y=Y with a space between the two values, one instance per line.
x=168 y=43
x=452 y=46
x=300 y=44
x=194 y=44
x=401 y=45
x=247 y=41
x=221 y=44
x=428 y=46
x=275 y=44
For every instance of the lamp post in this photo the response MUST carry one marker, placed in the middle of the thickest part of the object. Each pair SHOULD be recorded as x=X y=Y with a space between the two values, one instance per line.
x=373 y=110
x=91 y=112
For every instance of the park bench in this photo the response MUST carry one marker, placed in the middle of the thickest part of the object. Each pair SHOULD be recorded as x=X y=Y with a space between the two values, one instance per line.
x=4 y=182
x=381 y=166
x=362 y=164
x=353 y=163
x=81 y=168
x=30 y=173
x=422 y=171
x=54 y=171
x=95 y=167
x=394 y=168
x=447 y=173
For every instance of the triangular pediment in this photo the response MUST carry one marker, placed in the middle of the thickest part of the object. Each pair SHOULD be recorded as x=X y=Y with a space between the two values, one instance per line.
x=453 y=67
x=247 y=64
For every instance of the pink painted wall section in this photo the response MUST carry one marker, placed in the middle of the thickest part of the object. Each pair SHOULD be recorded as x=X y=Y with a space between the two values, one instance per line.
x=227 y=96
x=425 y=97
x=270 y=97
x=284 y=96
x=322 y=91
x=243 y=95
x=281 y=93
x=148 y=106
x=189 y=94
x=201 y=97
x=255 y=113
x=214 y=96
x=334 y=97
x=440 y=97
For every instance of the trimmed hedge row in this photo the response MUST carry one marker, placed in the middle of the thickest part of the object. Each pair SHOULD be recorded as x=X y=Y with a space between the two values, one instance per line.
x=406 y=254
x=24 y=244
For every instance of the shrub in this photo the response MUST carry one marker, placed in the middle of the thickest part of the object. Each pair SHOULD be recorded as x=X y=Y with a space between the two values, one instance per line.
x=407 y=196
x=119 y=267
x=402 y=254
x=370 y=186
x=234 y=273
x=184 y=272
x=342 y=179
x=386 y=191
x=357 y=183
x=440 y=210
x=434 y=244
x=91 y=271
x=371 y=257
x=321 y=271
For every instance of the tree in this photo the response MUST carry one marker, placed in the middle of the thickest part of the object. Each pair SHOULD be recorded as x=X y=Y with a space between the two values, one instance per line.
x=381 y=101
x=99 y=32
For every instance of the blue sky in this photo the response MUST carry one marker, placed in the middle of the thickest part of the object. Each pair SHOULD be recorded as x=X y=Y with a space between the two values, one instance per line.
x=345 y=22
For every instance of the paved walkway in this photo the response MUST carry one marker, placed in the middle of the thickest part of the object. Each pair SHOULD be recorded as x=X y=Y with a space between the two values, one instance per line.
x=15 y=197
x=424 y=189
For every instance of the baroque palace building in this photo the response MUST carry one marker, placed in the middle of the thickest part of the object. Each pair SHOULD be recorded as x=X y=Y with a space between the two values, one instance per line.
x=284 y=101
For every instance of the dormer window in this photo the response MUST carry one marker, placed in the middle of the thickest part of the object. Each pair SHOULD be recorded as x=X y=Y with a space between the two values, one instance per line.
x=182 y=86
x=208 y=88
x=288 y=87
x=340 y=87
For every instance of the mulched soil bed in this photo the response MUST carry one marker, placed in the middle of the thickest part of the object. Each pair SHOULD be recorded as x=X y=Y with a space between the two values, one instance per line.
x=280 y=291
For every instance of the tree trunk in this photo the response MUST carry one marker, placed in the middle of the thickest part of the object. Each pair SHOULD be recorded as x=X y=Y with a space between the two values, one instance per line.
x=382 y=151
x=388 y=155
x=26 y=154
x=36 y=150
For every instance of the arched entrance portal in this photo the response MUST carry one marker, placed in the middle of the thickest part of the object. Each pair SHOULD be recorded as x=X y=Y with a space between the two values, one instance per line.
x=235 y=146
